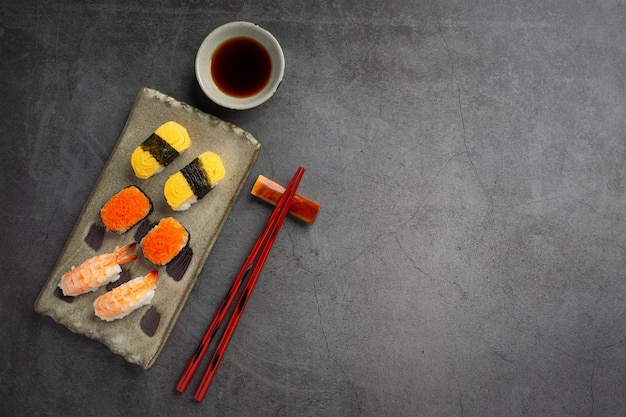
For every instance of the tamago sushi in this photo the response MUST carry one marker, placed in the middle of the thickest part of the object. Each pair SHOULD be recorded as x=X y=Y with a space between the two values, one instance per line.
x=159 y=150
x=194 y=181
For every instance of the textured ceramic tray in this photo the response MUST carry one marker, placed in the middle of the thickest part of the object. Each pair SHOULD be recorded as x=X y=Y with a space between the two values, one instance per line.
x=140 y=337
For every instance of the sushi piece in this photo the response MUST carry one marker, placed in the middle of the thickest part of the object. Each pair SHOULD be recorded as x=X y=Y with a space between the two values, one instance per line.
x=128 y=297
x=97 y=271
x=193 y=181
x=157 y=151
x=125 y=209
x=164 y=241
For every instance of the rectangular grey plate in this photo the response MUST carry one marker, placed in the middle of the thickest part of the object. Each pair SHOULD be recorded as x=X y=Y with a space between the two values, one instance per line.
x=204 y=221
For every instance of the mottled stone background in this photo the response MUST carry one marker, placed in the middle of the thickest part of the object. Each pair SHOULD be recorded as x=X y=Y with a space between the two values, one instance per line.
x=469 y=256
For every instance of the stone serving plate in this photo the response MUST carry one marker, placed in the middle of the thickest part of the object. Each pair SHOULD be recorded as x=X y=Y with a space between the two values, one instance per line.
x=140 y=337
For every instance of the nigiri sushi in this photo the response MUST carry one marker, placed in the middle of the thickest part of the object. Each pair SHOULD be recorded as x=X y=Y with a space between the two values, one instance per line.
x=193 y=181
x=125 y=209
x=157 y=151
x=128 y=297
x=97 y=271
x=164 y=241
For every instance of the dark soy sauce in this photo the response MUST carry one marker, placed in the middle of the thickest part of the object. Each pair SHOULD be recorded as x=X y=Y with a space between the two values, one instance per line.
x=241 y=67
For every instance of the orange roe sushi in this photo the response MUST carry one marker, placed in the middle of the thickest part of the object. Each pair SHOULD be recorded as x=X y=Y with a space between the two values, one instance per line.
x=125 y=209
x=164 y=241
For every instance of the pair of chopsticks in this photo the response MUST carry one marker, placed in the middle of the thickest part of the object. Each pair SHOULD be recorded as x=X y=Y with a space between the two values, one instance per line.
x=250 y=270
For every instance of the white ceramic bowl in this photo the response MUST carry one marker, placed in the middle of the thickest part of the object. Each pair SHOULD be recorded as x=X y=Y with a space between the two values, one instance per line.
x=234 y=30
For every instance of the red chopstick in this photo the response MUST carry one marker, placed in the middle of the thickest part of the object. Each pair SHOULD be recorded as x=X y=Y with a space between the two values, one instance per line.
x=268 y=238
x=250 y=269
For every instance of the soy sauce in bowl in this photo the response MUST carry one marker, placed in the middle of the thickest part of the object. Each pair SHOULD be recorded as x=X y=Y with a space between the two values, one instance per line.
x=241 y=67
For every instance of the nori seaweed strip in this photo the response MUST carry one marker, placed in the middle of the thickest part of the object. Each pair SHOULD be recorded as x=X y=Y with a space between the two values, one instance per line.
x=196 y=178
x=158 y=147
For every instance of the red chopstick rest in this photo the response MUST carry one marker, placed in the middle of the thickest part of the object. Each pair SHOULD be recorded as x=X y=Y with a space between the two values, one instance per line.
x=270 y=191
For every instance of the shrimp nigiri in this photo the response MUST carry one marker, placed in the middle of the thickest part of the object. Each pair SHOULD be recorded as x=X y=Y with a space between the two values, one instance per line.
x=128 y=297
x=97 y=271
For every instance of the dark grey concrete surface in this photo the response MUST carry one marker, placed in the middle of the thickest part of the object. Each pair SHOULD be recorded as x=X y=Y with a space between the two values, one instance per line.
x=469 y=256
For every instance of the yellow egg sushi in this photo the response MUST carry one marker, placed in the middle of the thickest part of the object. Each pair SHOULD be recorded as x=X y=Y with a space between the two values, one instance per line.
x=160 y=149
x=194 y=181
